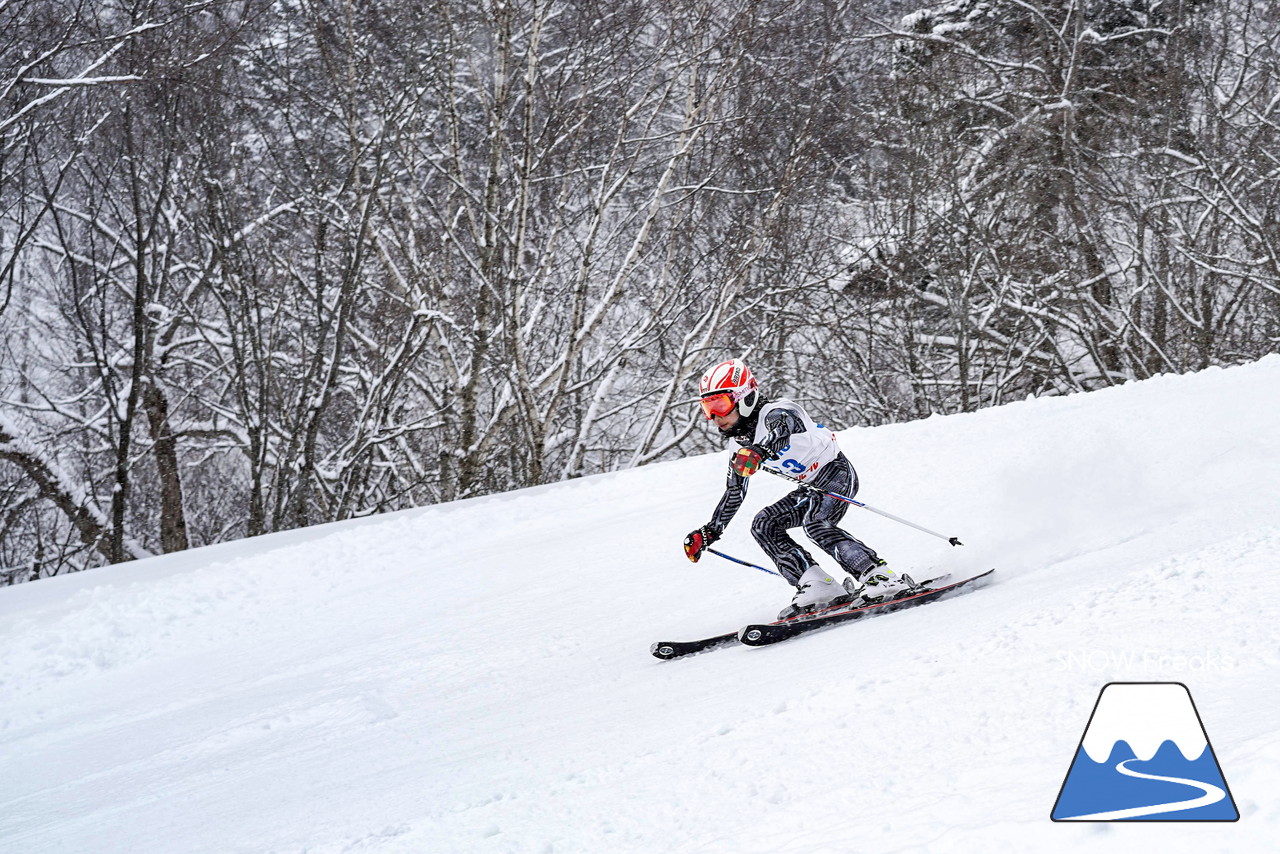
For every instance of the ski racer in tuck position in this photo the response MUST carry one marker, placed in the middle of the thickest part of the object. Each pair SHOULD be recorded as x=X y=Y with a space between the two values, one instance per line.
x=780 y=434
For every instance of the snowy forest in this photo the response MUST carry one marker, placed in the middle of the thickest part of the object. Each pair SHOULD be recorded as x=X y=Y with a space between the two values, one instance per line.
x=271 y=264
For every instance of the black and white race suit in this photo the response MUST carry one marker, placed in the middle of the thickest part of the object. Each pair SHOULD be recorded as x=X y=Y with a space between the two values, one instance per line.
x=806 y=451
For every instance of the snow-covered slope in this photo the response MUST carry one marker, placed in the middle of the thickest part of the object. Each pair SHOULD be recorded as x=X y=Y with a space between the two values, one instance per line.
x=475 y=677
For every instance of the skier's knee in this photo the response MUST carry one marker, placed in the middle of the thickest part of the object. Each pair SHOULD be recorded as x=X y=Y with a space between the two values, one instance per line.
x=763 y=528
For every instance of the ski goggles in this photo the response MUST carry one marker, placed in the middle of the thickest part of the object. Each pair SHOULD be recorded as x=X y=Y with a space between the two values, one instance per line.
x=718 y=404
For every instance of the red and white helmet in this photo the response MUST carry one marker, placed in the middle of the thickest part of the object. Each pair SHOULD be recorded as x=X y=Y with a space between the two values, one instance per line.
x=727 y=385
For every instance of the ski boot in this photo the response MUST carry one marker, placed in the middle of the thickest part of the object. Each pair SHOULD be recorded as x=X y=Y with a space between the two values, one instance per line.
x=815 y=591
x=880 y=583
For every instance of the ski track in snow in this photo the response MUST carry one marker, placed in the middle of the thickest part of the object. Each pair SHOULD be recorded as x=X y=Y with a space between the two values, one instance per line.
x=475 y=677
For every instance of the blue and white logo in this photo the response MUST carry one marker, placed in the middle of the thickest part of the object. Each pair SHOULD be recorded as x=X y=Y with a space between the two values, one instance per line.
x=1145 y=756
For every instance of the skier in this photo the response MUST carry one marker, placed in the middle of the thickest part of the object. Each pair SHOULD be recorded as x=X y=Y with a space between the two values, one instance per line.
x=781 y=431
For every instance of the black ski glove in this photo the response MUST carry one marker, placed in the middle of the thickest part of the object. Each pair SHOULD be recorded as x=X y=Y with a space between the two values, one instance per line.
x=697 y=541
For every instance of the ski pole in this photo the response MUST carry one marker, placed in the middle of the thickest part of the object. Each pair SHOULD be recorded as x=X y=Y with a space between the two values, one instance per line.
x=743 y=562
x=955 y=541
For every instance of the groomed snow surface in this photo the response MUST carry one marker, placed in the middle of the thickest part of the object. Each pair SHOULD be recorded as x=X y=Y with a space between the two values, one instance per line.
x=476 y=677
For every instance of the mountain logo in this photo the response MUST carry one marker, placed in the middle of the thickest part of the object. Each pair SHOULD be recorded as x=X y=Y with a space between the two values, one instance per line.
x=1145 y=756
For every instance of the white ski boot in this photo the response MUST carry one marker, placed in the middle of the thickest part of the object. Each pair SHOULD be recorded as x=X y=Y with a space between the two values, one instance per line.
x=881 y=583
x=815 y=590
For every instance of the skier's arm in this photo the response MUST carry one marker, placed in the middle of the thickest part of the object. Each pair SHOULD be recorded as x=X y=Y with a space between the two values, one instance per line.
x=698 y=541
x=735 y=490
x=780 y=426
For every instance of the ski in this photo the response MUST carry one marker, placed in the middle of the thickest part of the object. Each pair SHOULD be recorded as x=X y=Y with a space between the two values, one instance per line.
x=764 y=634
x=667 y=650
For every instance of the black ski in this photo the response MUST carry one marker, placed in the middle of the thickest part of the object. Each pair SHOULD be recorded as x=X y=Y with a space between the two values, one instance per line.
x=767 y=633
x=667 y=650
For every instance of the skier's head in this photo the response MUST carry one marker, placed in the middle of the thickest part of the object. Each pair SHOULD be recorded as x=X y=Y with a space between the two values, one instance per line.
x=727 y=387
